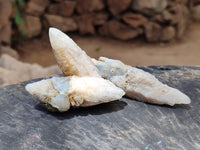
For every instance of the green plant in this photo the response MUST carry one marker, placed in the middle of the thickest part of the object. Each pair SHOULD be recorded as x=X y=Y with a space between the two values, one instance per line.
x=97 y=49
x=19 y=35
x=18 y=6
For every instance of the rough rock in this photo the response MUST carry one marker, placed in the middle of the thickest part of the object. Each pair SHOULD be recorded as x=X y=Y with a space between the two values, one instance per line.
x=63 y=23
x=157 y=18
x=122 y=124
x=134 y=20
x=174 y=14
x=196 y=2
x=167 y=16
x=119 y=30
x=5 y=25
x=196 y=13
x=153 y=32
x=36 y=7
x=183 y=21
x=174 y=2
x=100 y=18
x=13 y=71
x=85 y=24
x=168 y=33
x=170 y=16
x=8 y=77
x=5 y=33
x=85 y=6
x=118 y=6
x=5 y=12
x=9 y=51
x=185 y=2
x=104 y=30
x=65 y=8
x=32 y=27
x=58 y=1
x=149 y=7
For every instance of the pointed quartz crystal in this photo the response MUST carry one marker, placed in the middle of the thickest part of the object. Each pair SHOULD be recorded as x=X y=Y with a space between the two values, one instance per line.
x=139 y=84
x=71 y=59
x=60 y=93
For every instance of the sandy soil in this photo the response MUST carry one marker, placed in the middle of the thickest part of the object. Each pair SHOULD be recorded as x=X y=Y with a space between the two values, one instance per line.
x=134 y=52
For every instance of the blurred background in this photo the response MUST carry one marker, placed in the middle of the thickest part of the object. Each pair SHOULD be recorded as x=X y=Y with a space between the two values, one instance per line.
x=138 y=32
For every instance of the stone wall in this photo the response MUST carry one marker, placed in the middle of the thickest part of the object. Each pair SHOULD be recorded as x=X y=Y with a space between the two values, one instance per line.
x=156 y=20
x=5 y=23
x=195 y=11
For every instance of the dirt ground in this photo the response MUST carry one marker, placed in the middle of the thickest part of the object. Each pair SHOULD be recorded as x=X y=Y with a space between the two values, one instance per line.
x=134 y=52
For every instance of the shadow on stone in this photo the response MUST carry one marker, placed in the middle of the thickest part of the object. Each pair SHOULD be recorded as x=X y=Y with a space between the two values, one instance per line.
x=84 y=111
x=183 y=106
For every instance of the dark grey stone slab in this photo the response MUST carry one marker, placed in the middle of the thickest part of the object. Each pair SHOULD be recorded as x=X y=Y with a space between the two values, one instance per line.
x=124 y=124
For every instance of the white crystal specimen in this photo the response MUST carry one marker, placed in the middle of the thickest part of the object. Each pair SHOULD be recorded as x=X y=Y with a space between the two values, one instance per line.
x=139 y=84
x=70 y=58
x=61 y=93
